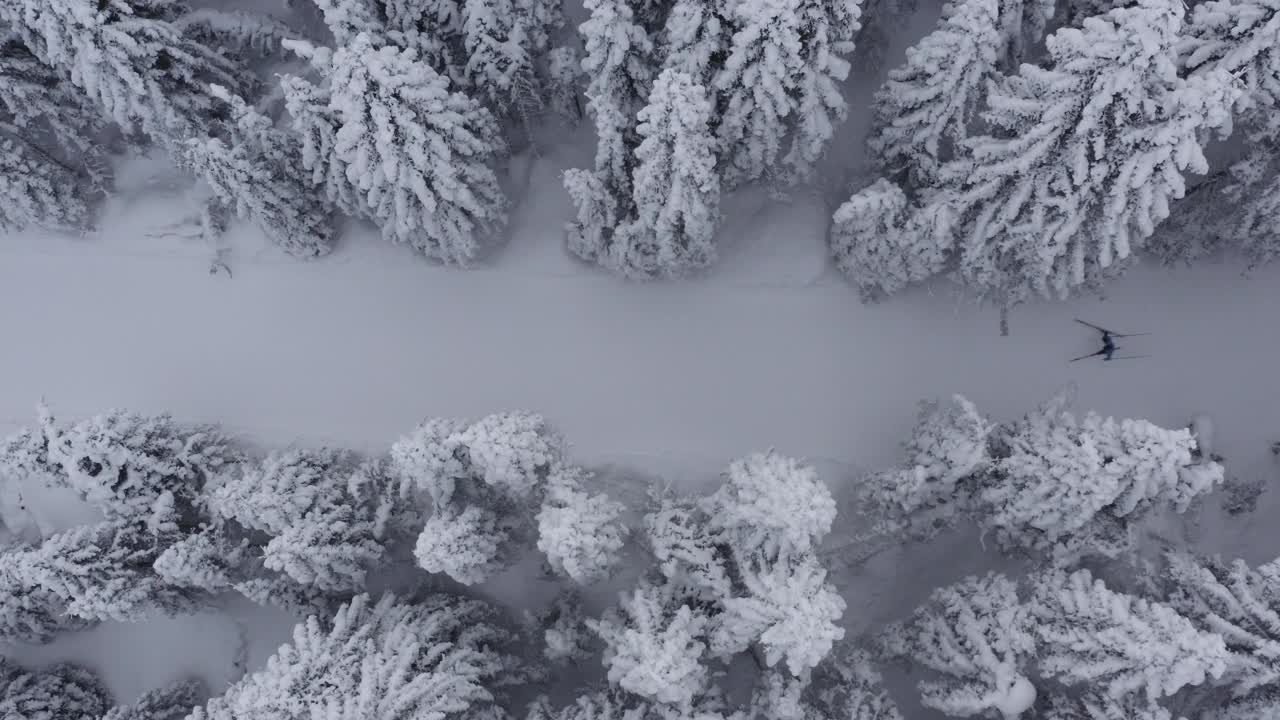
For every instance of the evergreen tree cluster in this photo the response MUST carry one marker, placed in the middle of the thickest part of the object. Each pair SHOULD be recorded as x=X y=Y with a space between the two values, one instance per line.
x=401 y=123
x=687 y=96
x=1031 y=165
x=1100 y=628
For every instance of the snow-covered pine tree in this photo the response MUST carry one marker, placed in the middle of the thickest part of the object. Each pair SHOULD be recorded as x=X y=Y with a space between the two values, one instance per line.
x=278 y=492
x=579 y=532
x=601 y=705
x=468 y=544
x=786 y=607
x=256 y=172
x=248 y=33
x=770 y=504
x=1240 y=37
x=102 y=572
x=977 y=635
x=29 y=613
x=110 y=49
x=757 y=83
x=695 y=39
x=50 y=160
x=827 y=29
x=436 y=658
x=884 y=243
x=61 y=692
x=686 y=552
x=1058 y=477
x=434 y=188
x=675 y=185
x=654 y=645
x=138 y=467
x=134 y=62
x=209 y=560
x=485 y=482
x=1089 y=634
x=499 y=58
x=925 y=108
x=328 y=520
x=619 y=65
x=1242 y=606
x=171 y=702
x=949 y=447
x=1068 y=182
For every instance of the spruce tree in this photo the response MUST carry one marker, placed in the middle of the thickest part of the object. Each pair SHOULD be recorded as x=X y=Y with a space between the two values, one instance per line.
x=255 y=171
x=61 y=692
x=434 y=188
x=1069 y=182
x=1089 y=634
x=619 y=66
x=977 y=636
x=676 y=189
x=102 y=572
x=389 y=658
x=925 y=108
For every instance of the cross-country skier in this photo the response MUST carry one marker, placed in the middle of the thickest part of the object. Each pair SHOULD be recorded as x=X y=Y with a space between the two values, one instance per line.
x=1109 y=346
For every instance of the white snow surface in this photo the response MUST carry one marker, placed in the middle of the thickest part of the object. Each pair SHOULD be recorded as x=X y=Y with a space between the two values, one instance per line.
x=771 y=349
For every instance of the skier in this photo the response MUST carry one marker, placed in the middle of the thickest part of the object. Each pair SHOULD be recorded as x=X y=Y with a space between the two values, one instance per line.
x=1109 y=346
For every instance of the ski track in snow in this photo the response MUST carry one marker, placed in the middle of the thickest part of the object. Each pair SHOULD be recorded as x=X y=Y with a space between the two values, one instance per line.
x=672 y=379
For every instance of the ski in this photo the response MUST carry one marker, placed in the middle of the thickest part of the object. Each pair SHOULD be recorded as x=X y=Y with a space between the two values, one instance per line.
x=1129 y=357
x=1086 y=357
x=1101 y=329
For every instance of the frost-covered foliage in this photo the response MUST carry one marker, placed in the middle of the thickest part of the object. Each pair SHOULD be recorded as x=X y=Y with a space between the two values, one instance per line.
x=977 y=636
x=779 y=83
x=949 y=446
x=884 y=243
x=209 y=560
x=61 y=692
x=246 y=32
x=579 y=532
x=618 y=64
x=258 y=171
x=492 y=485
x=1240 y=604
x=735 y=571
x=1058 y=476
x=101 y=572
x=1048 y=482
x=28 y=612
x=654 y=646
x=386 y=659
x=172 y=702
x=676 y=188
x=1067 y=182
x=328 y=519
x=1088 y=634
x=925 y=108
x=134 y=467
x=49 y=158
x=499 y=64
x=771 y=505
x=434 y=188
x=109 y=50
x=787 y=607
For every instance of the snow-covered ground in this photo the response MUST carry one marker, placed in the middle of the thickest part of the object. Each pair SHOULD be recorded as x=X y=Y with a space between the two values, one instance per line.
x=772 y=349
